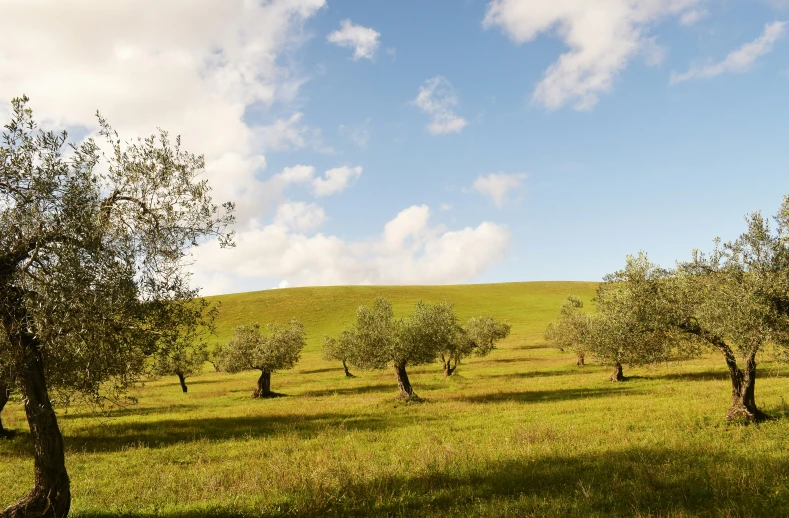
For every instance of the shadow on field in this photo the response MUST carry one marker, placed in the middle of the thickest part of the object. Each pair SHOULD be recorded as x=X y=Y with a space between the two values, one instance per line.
x=708 y=375
x=319 y=371
x=548 y=374
x=543 y=396
x=631 y=482
x=364 y=389
x=131 y=410
x=110 y=437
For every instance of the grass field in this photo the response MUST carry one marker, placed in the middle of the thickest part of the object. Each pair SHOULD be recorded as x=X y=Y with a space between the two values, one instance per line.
x=522 y=432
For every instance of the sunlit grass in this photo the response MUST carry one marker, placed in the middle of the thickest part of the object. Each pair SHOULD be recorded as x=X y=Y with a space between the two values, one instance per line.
x=522 y=432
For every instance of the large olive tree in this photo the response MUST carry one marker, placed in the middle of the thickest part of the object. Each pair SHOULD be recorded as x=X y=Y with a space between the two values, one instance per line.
x=734 y=300
x=340 y=349
x=93 y=249
x=250 y=349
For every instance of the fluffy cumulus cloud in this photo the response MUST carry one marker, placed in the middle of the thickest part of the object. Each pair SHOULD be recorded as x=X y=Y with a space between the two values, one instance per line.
x=363 y=40
x=192 y=67
x=498 y=186
x=738 y=60
x=602 y=35
x=409 y=250
x=438 y=99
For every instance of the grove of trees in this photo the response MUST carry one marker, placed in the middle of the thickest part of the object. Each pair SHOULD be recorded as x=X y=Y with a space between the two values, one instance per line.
x=733 y=300
x=93 y=243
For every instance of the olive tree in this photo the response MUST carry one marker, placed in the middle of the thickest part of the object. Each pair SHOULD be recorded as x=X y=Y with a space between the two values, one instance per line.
x=93 y=247
x=631 y=323
x=478 y=338
x=734 y=300
x=380 y=340
x=340 y=349
x=182 y=350
x=570 y=331
x=251 y=349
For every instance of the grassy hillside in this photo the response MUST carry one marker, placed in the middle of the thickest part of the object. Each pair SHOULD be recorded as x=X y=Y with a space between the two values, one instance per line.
x=522 y=432
x=527 y=306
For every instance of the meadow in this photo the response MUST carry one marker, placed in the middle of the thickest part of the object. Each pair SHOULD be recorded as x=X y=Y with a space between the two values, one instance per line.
x=521 y=432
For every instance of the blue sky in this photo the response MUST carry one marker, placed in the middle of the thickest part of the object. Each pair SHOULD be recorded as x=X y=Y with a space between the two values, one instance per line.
x=641 y=125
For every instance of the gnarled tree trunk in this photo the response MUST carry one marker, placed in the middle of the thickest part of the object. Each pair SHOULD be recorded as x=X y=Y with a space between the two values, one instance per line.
x=347 y=372
x=264 y=385
x=51 y=493
x=4 y=393
x=617 y=374
x=448 y=368
x=743 y=385
x=182 y=379
x=580 y=361
x=406 y=391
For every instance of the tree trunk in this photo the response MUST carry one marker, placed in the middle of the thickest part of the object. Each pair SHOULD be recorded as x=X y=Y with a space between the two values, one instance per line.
x=51 y=493
x=448 y=368
x=406 y=391
x=580 y=361
x=617 y=375
x=4 y=393
x=347 y=372
x=181 y=378
x=264 y=385
x=743 y=385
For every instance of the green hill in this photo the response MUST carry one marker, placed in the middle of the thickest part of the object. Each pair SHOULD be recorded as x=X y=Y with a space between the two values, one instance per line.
x=527 y=306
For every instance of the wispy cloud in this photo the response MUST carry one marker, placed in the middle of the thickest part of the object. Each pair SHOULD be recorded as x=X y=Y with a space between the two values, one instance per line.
x=437 y=98
x=603 y=36
x=738 y=60
x=498 y=186
x=363 y=40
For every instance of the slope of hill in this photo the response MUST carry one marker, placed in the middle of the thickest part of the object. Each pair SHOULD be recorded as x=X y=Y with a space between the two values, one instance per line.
x=527 y=306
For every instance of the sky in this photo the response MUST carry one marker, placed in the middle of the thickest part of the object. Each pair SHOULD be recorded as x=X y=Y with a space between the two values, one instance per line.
x=432 y=142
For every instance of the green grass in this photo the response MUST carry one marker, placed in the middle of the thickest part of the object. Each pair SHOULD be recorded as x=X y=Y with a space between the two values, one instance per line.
x=522 y=432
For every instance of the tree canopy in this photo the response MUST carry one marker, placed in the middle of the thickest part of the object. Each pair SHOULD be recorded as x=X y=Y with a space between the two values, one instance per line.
x=570 y=331
x=478 y=337
x=94 y=241
x=251 y=349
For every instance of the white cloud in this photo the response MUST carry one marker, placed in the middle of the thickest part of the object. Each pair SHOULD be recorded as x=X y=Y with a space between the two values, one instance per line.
x=438 y=99
x=291 y=134
x=300 y=216
x=693 y=16
x=359 y=134
x=603 y=36
x=498 y=186
x=738 y=60
x=192 y=67
x=335 y=180
x=408 y=251
x=363 y=40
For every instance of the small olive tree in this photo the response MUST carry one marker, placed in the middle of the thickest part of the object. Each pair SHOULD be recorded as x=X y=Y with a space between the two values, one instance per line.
x=381 y=340
x=251 y=349
x=183 y=350
x=570 y=332
x=478 y=338
x=340 y=349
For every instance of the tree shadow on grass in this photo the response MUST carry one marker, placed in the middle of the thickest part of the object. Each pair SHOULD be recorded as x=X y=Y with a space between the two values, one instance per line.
x=546 y=374
x=113 y=436
x=345 y=391
x=319 y=371
x=542 y=396
x=636 y=481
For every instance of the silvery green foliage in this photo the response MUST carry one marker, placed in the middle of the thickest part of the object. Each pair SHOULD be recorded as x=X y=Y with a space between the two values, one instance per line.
x=636 y=314
x=249 y=348
x=379 y=340
x=182 y=346
x=339 y=349
x=570 y=331
x=480 y=335
x=94 y=241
